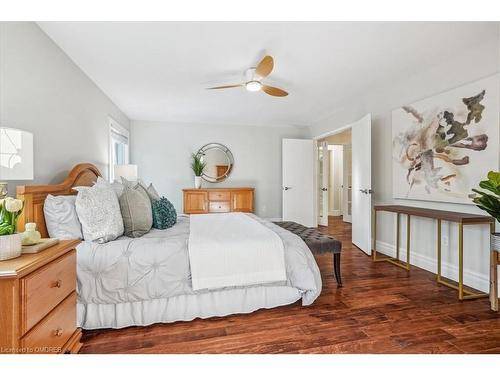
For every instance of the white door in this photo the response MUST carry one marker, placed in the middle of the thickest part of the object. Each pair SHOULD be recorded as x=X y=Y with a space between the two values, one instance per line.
x=347 y=184
x=323 y=182
x=298 y=181
x=362 y=184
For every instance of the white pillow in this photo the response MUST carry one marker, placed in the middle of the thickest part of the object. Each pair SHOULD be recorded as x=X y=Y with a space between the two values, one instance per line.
x=99 y=212
x=61 y=218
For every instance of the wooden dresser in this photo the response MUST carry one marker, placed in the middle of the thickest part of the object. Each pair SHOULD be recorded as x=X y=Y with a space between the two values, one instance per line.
x=217 y=200
x=38 y=302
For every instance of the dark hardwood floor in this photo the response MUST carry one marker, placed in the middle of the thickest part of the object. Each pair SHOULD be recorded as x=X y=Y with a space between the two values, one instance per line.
x=380 y=309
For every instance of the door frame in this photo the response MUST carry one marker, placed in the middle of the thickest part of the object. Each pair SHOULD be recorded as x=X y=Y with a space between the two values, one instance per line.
x=316 y=166
x=324 y=177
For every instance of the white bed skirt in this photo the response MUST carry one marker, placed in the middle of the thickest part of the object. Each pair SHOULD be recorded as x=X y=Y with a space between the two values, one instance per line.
x=185 y=307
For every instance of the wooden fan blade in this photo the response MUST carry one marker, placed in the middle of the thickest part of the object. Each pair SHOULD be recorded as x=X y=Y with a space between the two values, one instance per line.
x=224 y=87
x=274 y=91
x=265 y=67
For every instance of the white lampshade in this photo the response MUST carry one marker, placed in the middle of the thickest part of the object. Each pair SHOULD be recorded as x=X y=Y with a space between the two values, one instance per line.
x=16 y=154
x=127 y=171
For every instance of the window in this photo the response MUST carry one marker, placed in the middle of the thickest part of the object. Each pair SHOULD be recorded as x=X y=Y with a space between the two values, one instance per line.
x=118 y=146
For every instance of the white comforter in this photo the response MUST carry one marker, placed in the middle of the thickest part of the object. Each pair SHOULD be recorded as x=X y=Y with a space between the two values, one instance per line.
x=233 y=249
x=141 y=281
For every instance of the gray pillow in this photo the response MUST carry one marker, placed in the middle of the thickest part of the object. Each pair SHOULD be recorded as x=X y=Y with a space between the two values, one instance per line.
x=136 y=211
x=152 y=193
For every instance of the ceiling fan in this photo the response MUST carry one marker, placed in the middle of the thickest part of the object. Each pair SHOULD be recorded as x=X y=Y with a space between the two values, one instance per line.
x=254 y=77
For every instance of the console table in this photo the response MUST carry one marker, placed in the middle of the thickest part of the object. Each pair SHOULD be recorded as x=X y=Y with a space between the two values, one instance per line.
x=450 y=216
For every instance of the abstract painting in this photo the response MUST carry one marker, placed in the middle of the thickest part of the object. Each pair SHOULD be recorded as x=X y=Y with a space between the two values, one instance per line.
x=443 y=146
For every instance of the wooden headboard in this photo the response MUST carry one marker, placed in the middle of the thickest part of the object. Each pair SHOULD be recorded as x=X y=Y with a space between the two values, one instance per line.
x=84 y=174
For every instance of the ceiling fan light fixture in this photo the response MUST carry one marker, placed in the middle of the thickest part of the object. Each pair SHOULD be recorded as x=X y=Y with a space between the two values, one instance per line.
x=253 y=86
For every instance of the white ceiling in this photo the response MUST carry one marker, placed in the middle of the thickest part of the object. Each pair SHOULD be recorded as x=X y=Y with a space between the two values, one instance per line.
x=158 y=71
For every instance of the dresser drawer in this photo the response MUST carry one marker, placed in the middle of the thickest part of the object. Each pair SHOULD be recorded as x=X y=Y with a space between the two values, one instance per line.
x=55 y=330
x=219 y=196
x=219 y=207
x=45 y=288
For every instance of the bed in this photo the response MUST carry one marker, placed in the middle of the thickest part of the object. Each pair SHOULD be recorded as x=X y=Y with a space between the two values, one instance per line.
x=147 y=280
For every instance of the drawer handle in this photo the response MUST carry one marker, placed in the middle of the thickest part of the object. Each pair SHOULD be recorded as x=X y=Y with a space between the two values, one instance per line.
x=58 y=284
x=58 y=332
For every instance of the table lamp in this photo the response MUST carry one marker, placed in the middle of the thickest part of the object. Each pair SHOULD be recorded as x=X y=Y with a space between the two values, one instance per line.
x=16 y=157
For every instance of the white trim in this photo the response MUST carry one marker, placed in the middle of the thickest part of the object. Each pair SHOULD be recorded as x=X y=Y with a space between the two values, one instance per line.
x=333 y=132
x=114 y=125
x=472 y=279
x=316 y=166
x=315 y=183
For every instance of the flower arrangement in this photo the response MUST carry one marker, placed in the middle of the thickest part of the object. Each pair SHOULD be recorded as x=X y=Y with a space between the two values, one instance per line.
x=10 y=209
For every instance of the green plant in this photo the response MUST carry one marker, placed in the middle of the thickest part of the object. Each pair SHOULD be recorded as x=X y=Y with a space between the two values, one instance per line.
x=10 y=209
x=486 y=201
x=197 y=165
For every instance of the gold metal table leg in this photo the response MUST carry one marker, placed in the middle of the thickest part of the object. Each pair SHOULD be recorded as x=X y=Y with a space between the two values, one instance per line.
x=396 y=261
x=460 y=261
x=463 y=294
x=439 y=250
x=408 y=242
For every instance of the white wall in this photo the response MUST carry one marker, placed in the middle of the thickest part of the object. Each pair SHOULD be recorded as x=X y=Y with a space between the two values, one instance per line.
x=43 y=91
x=468 y=65
x=163 y=151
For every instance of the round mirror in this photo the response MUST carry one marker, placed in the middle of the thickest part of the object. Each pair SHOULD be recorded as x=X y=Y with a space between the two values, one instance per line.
x=218 y=161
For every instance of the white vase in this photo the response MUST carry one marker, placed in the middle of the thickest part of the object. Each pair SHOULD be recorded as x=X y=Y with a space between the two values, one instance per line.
x=10 y=246
x=197 y=182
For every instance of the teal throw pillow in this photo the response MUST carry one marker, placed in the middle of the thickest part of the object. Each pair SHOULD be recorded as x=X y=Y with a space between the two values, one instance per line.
x=164 y=214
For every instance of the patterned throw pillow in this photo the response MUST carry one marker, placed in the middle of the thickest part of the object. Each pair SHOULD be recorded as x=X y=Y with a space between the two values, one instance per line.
x=164 y=214
x=99 y=212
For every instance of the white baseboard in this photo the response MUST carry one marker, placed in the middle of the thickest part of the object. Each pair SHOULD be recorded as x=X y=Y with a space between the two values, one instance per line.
x=450 y=271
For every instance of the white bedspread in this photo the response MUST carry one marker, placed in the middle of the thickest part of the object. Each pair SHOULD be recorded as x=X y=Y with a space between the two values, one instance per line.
x=233 y=249
x=146 y=280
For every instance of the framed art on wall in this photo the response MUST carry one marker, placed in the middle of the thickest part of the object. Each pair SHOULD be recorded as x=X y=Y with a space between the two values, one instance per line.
x=444 y=145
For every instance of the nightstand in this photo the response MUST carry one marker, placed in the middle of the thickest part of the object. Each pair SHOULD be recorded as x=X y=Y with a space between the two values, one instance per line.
x=38 y=302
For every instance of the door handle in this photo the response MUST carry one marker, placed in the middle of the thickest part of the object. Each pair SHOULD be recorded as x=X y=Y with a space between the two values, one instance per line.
x=287 y=188
x=324 y=189
x=366 y=191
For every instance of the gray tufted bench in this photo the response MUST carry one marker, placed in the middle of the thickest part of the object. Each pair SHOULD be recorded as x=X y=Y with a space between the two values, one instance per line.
x=318 y=242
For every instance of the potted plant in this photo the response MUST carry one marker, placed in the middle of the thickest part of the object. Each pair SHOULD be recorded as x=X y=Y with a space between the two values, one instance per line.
x=10 y=241
x=488 y=199
x=197 y=165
